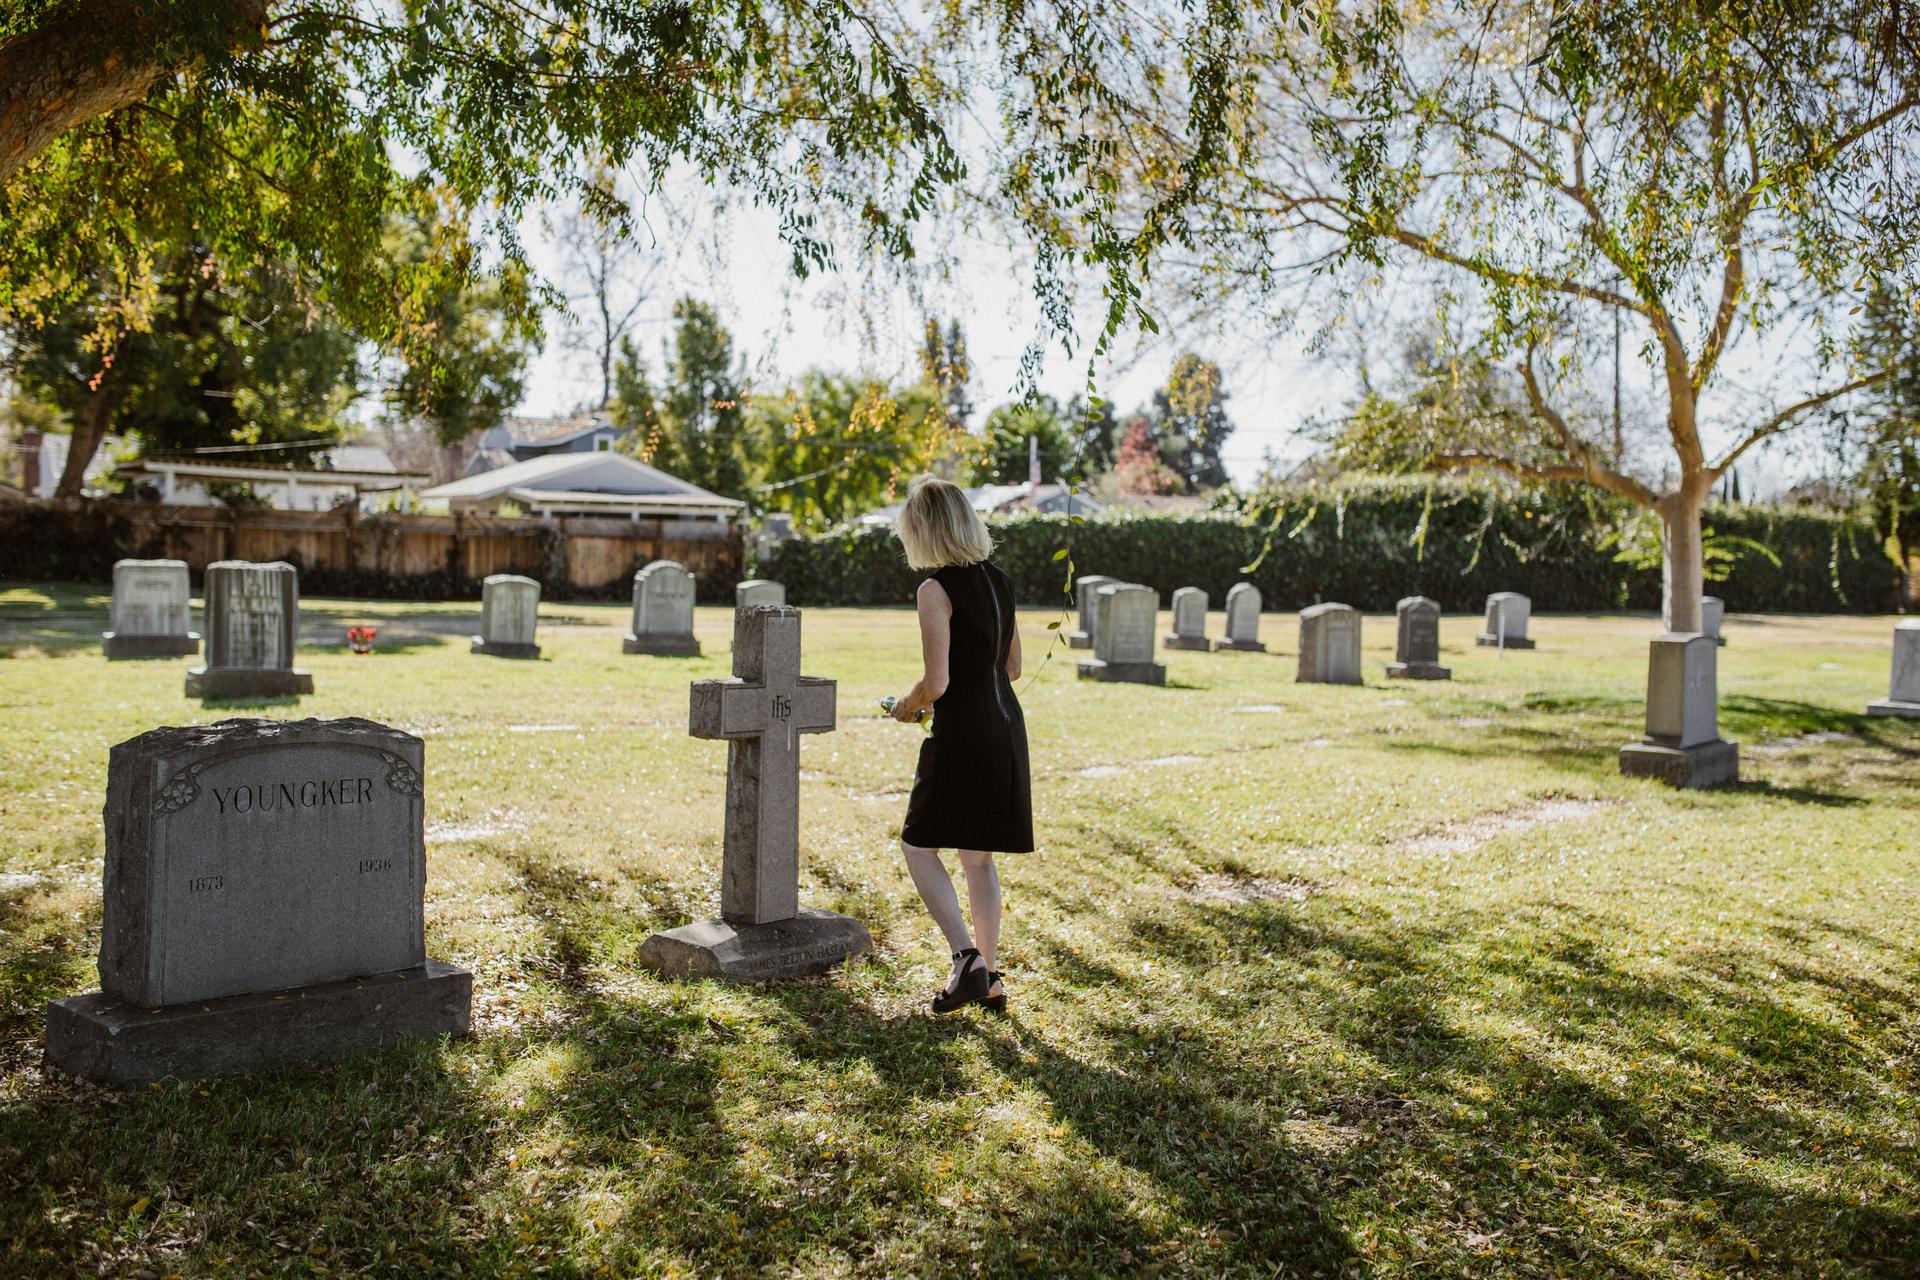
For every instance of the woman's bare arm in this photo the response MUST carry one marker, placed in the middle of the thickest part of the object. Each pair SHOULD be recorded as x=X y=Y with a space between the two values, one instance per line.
x=936 y=637
x=1013 y=651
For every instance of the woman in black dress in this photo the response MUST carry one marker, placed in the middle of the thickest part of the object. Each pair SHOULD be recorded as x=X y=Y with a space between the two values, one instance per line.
x=971 y=792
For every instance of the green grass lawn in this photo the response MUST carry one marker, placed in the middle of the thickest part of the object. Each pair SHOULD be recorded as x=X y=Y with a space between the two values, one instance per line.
x=1402 y=980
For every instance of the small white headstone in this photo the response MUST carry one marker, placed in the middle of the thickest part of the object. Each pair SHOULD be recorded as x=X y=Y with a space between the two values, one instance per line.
x=150 y=616
x=1507 y=615
x=1329 y=645
x=758 y=591
x=509 y=612
x=663 y=611
x=1243 y=619
x=1189 y=620
x=1086 y=601
x=1713 y=615
x=1683 y=745
x=1903 y=697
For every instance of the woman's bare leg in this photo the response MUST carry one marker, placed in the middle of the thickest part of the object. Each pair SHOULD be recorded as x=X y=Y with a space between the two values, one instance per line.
x=936 y=890
x=983 y=903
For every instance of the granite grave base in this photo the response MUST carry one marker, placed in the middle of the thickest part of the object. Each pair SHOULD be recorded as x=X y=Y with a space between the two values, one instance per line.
x=1894 y=707
x=1241 y=646
x=244 y=682
x=811 y=942
x=503 y=648
x=662 y=646
x=1494 y=642
x=1079 y=640
x=97 y=1037
x=1200 y=643
x=1705 y=764
x=115 y=645
x=1129 y=672
x=1418 y=671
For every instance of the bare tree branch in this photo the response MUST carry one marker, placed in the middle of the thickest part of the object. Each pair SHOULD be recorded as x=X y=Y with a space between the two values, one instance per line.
x=1784 y=420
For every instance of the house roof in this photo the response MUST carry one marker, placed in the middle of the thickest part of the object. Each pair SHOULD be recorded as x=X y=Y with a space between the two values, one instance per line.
x=266 y=472
x=570 y=475
x=359 y=457
x=554 y=430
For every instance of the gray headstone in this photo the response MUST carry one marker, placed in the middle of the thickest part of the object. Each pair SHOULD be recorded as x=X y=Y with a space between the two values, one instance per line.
x=662 y=611
x=1683 y=745
x=1903 y=697
x=151 y=612
x=1243 y=619
x=1508 y=613
x=1125 y=614
x=252 y=616
x=259 y=856
x=1189 y=620
x=1329 y=645
x=1416 y=649
x=1086 y=600
x=509 y=613
x=1713 y=616
x=761 y=712
x=758 y=591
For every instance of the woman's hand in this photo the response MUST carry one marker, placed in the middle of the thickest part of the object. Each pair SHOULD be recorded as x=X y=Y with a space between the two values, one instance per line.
x=905 y=710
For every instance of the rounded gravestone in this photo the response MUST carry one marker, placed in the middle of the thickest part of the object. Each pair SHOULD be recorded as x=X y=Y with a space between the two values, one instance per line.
x=252 y=616
x=509 y=614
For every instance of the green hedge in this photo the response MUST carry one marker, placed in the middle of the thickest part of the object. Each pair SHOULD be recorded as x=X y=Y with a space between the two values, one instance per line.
x=1357 y=545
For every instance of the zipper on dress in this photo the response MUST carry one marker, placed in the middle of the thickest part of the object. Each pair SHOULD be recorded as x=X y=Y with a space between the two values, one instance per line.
x=999 y=646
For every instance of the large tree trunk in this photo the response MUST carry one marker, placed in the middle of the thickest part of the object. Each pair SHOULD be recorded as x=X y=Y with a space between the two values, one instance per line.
x=87 y=60
x=1682 y=566
x=88 y=432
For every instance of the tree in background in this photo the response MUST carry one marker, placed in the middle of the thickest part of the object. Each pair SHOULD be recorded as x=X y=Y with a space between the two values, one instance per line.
x=1140 y=470
x=832 y=447
x=944 y=366
x=1883 y=438
x=1094 y=435
x=1191 y=415
x=690 y=424
x=1005 y=449
x=464 y=338
x=225 y=362
x=605 y=274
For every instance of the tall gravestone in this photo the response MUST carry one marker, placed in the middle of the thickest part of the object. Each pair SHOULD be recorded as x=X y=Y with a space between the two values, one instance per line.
x=1508 y=613
x=1416 y=650
x=1243 y=619
x=758 y=591
x=509 y=614
x=252 y=616
x=662 y=611
x=1683 y=745
x=1329 y=645
x=151 y=615
x=1903 y=695
x=264 y=904
x=1713 y=616
x=1086 y=602
x=1189 y=620
x=763 y=932
x=1123 y=635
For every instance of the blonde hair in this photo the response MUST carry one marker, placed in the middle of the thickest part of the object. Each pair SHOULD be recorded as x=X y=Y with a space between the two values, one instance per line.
x=938 y=526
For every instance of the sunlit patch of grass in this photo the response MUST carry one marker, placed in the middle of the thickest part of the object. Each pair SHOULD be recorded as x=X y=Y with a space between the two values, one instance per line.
x=1389 y=981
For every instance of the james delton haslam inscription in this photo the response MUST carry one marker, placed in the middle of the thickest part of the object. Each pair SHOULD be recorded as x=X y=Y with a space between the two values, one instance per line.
x=260 y=856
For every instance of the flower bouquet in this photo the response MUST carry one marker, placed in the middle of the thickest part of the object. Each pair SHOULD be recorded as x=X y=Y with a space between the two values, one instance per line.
x=360 y=639
x=924 y=720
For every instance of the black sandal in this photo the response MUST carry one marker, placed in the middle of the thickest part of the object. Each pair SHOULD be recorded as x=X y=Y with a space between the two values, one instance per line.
x=971 y=987
x=994 y=1004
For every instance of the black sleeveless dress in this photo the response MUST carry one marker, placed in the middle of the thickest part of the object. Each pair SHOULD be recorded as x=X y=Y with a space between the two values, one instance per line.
x=972 y=789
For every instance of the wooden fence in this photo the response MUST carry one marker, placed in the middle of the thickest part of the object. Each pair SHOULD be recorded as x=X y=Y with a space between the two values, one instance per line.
x=351 y=553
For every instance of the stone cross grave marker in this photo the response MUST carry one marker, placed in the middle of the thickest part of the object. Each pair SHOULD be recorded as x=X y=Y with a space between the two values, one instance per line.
x=1683 y=745
x=253 y=622
x=1713 y=616
x=1903 y=695
x=1416 y=652
x=1243 y=619
x=1123 y=636
x=1329 y=645
x=151 y=612
x=662 y=611
x=758 y=591
x=1189 y=621
x=763 y=932
x=509 y=612
x=1507 y=615
x=1086 y=601
x=264 y=899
